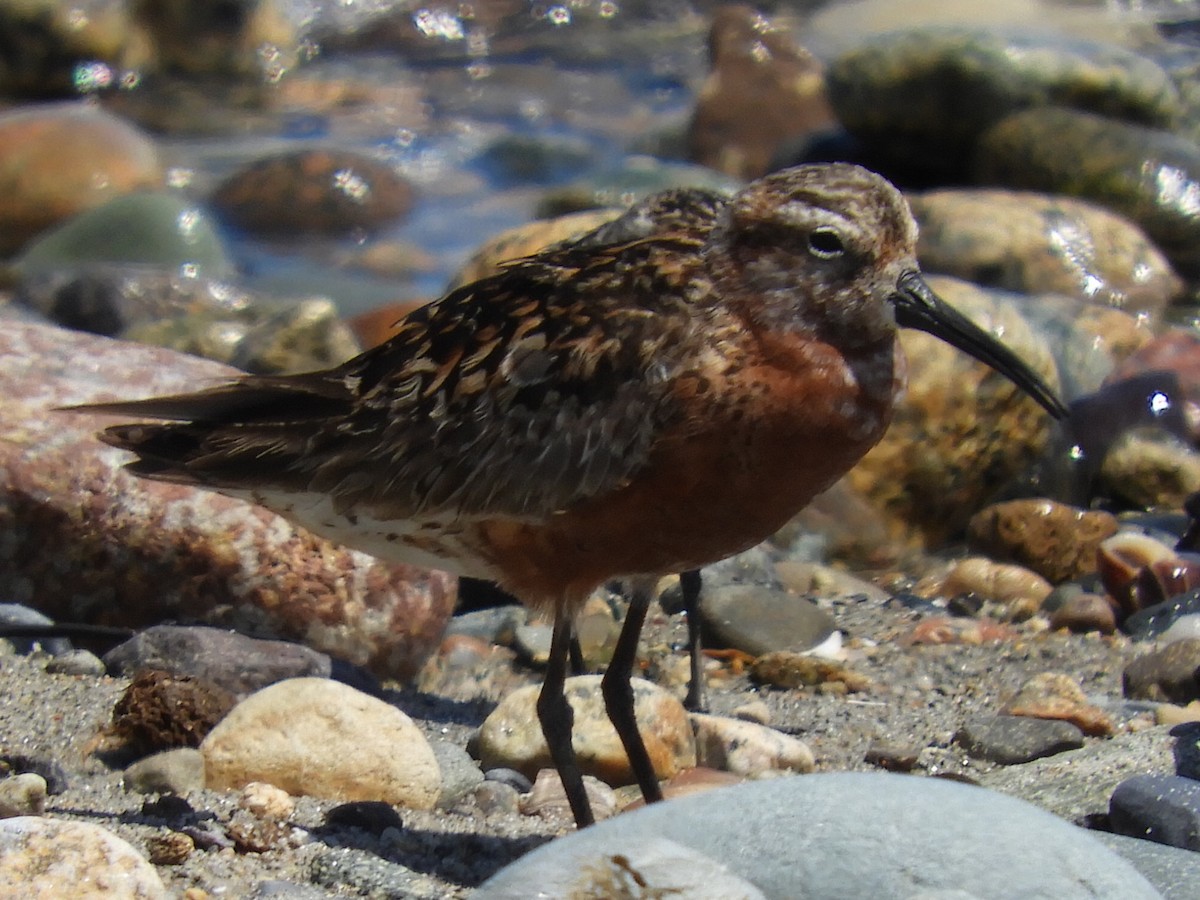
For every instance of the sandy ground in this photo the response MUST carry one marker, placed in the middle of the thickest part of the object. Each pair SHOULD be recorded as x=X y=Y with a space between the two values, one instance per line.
x=921 y=696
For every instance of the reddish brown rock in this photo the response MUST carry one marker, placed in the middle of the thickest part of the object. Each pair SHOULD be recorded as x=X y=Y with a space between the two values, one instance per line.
x=1052 y=695
x=82 y=540
x=60 y=159
x=1056 y=541
x=161 y=711
x=750 y=57
x=1084 y=612
x=314 y=192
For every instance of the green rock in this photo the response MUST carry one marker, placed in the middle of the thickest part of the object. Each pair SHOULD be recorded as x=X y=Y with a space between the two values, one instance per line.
x=146 y=228
x=920 y=98
x=1149 y=175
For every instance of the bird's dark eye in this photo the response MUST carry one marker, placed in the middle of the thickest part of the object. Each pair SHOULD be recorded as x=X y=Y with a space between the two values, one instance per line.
x=825 y=243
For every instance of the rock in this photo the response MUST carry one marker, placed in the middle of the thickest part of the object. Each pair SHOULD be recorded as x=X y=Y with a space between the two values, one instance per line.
x=1076 y=785
x=512 y=737
x=52 y=858
x=957 y=630
x=167 y=772
x=239 y=664
x=57 y=160
x=794 y=670
x=846 y=26
x=524 y=240
x=76 y=662
x=170 y=849
x=1033 y=243
x=638 y=178
x=332 y=192
x=548 y=800
x=746 y=748
x=323 y=739
x=55 y=52
x=920 y=98
x=1056 y=541
x=18 y=614
x=514 y=159
x=749 y=56
x=1084 y=612
x=1151 y=469
x=757 y=619
x=962 y=430
x=1173 y=871
x=1187 y=749
x=1140 y=172
x=694 y=781
x=161 y=711
x=259 y=40
x=1169 y=674
x=266 y=801
x=142 y=228
x=496 y=798
x=1153 y=621
x=195 y=315
x=1009 y=740
x=1009 y=593
x=957 y=838
x=77 y=531
x=654 y=864
x=1160 y=808
x=1139 y=571
x=22 y=795
x=892 y=756
x=1051 y=695
x=459 y=773
x=1172 y=350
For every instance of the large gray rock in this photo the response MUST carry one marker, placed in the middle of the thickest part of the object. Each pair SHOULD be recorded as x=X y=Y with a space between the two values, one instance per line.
x=850 y=835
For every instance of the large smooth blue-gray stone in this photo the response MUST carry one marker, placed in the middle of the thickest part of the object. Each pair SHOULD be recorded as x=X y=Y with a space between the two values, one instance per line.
x=1173 y=871
x=850 y=834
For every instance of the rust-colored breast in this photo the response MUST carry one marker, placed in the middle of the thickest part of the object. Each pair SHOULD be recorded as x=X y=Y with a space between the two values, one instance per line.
x=752 y=451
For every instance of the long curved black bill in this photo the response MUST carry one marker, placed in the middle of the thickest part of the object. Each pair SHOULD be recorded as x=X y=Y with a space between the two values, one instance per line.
x=917 y=306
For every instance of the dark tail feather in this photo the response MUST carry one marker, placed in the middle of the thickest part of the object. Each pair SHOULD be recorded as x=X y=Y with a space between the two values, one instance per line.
x=250 y=400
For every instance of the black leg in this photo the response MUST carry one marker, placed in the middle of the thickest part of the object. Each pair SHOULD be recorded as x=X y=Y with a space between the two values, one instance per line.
x=689 y=584
x=576 y=654
x=556 y=717
x=618 y=694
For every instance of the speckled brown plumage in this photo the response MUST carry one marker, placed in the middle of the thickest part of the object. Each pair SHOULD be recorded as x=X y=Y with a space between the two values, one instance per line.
x=654 y=396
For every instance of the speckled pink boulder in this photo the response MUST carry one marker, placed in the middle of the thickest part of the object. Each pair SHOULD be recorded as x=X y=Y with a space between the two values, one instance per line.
x=82 y=540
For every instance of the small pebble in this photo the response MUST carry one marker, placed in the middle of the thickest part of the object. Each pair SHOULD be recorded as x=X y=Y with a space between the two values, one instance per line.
x=22 y=795
x=1010 y=740
x=168 y=772
x=76 y=662
x=892 y=757
x=170 y=849
x=266 y=801
x=496 y=797
x=746 y=748
x=548 y=800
